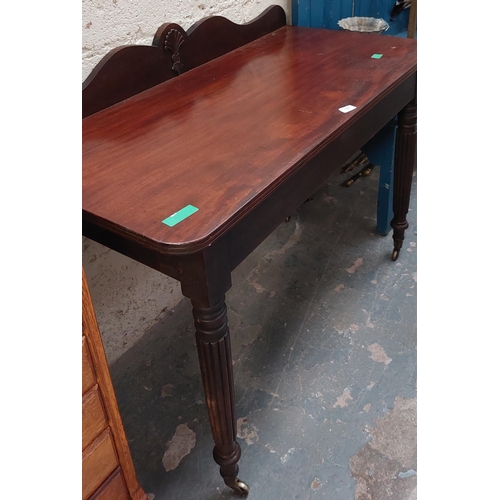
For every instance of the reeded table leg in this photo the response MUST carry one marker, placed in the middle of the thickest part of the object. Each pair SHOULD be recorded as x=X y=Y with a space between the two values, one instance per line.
x=214 y=352
x=404 y=162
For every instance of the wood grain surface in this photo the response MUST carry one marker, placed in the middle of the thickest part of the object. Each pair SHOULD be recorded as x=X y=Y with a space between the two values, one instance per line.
x=223 y=136
x=88 y=376
x=98 y=462
x=93 y=416
x=130 y=69
x=114 y=488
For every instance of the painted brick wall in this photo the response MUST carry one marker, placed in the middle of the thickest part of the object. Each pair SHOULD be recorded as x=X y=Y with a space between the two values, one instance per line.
x=129 y=297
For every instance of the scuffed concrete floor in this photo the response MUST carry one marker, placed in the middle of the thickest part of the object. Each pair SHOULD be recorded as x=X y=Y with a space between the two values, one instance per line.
x=324 y=337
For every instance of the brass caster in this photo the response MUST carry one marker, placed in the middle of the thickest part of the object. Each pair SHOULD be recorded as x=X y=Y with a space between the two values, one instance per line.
x=239 y=486
x=367 y=171
x=395 y=254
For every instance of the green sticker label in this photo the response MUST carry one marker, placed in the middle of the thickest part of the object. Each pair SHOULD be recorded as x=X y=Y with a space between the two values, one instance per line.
x=179 y=216
x=376 y=56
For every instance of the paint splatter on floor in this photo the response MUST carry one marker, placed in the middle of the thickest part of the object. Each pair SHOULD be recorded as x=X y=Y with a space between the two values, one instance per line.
x=286 y=457
x=343 y=399
x=378 y=354
x=246 y=431
x=316 y=484
x=386 y=466
x=358 y=262
x=178 y=447
x=167 y=391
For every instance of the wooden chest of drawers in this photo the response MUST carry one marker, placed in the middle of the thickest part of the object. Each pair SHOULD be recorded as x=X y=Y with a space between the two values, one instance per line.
x=107 y=469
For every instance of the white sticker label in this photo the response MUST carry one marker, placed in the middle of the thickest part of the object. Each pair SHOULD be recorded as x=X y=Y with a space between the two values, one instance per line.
x=348 y=108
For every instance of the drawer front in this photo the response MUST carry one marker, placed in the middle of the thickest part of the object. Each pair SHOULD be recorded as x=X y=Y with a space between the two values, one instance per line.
x=99 y=460
x=93 y=416
x=114 y=488
x=88 y=377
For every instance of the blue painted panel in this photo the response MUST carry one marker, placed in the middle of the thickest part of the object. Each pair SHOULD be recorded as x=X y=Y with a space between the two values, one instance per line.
x=320 y=13
x=317 y=19
x=297 y=17
x=380 y=150
x=340 y=10
x=327 y=13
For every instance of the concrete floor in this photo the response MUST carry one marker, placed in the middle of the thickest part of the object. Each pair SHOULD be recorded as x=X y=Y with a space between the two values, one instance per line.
x=324 y=338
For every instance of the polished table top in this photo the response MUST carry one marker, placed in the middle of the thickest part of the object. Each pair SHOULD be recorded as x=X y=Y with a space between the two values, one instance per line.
x=223 y=136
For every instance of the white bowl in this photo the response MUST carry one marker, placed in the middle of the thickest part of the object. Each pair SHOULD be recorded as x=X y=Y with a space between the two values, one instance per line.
x=364 y=24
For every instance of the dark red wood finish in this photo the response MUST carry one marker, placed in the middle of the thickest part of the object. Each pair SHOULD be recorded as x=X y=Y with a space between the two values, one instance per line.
x=236 y=128
x=406 y=142
x=128 y=70
x=246 y=138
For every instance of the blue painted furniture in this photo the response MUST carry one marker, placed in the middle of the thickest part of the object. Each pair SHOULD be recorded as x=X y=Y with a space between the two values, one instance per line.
x=380 y=149
x=327 y=13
